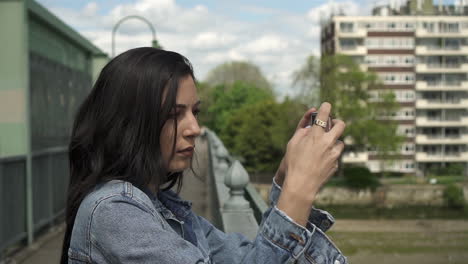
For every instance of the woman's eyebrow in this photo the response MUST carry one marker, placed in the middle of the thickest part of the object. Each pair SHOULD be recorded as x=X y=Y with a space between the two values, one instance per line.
x=185 y=106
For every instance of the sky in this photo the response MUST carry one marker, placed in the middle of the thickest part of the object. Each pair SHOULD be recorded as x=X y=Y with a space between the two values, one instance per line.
x=276 y=35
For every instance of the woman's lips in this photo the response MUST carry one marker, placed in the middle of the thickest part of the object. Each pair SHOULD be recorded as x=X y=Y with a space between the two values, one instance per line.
x=187 y=152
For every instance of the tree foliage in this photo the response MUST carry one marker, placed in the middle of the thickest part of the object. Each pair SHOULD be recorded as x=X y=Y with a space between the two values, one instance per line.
x=252 y=125
x=454 y=198
x=241 y=109
x=360 y=178
x=226 y=101
x=307 y=78
x=259 y=132
x=228 y=73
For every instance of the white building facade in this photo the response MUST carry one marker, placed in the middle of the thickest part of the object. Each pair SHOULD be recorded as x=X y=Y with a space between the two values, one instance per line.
x=423 y=59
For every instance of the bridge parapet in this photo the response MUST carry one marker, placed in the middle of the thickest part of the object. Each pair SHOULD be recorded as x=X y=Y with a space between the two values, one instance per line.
x=239 y=207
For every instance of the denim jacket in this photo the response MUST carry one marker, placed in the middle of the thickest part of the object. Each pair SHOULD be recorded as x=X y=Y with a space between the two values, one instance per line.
x=119 y=223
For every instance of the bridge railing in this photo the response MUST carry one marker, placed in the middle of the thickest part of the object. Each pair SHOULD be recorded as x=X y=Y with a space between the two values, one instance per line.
x=239 y=207
x=49 y=185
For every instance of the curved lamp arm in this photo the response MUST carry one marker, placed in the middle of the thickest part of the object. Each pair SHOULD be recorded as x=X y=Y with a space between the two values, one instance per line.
x=116 y=26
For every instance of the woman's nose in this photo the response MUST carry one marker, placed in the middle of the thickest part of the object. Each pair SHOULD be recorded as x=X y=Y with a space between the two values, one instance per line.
x=193 y=129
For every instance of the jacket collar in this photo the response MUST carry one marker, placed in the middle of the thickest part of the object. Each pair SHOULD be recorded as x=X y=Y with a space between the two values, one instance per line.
x=170 y=205
x=174 y=203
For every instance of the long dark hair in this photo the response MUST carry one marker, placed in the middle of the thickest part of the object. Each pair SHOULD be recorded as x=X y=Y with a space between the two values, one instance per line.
x=116 y=133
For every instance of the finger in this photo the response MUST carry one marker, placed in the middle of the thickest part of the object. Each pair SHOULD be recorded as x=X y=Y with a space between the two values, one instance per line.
x=338 y=147
x=335 y=166
x=323 y=114
x=337 y=129
x=332 y=172
x=305 y=121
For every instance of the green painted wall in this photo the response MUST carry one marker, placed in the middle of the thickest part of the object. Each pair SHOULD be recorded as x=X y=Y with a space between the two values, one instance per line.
x=13 y=77
x=98 y=63
x=12 y=139
x=36 y=46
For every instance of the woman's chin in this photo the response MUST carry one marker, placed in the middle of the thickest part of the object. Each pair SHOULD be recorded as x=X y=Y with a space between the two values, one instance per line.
x=179 y=166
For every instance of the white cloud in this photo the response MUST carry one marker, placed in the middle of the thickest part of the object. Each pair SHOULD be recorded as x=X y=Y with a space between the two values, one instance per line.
x=90 y=9
x=208 y=37
x=209 y=40
x=267 y=44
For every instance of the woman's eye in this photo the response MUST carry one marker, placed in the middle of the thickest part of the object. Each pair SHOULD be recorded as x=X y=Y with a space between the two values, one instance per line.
x=174 y=114
x=196 y=112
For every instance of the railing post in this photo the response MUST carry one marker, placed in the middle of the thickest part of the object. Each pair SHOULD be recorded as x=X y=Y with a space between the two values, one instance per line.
x=230 y=183
x=236 y=212
x=236 y=180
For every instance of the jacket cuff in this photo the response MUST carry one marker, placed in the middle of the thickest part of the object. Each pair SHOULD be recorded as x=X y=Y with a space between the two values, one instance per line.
x=300 y=242
x=320 y=218
x=283 y=232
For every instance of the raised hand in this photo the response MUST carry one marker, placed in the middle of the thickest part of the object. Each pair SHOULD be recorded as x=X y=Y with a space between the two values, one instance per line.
x=312 y=158
x=283 y=168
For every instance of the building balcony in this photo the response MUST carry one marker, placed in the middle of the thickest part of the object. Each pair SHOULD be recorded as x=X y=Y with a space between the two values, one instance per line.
x=441 y=157
x=442 y=68
x=439 y=104
x=455 y=33
x=355 y=157
x=437 y=122
x=442 y=86
x=447 y=50
x=355 y=33
x=354 y=50
x=437 y=139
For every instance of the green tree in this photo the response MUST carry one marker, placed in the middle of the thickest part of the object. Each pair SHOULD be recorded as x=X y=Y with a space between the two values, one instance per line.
x=205 y=94
x=228 y=73
x=222 y=79
x=227 y=101
x=258 y=133
x=307 y=78
x=346 y=87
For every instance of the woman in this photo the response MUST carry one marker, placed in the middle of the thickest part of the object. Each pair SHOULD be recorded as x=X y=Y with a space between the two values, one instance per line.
x=133 y=137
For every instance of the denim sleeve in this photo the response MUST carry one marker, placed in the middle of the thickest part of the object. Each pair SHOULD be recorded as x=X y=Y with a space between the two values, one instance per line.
x=319 y=218
x=123 y=230
x=279 y=240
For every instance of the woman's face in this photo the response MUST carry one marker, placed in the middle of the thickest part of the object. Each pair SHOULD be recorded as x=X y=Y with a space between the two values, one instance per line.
x=185 y=113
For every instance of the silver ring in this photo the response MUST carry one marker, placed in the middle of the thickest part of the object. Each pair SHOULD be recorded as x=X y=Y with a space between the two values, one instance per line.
x=320 y=123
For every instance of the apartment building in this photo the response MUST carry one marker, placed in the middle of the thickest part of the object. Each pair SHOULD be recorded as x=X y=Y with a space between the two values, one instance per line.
x=420 y=52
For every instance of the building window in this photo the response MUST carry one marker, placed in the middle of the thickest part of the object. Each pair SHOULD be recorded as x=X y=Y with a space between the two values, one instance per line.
x=392 y=43
x=389 y=60
x=397 y=78
x=409 y=131
x=448 y=27
x=346 y=27
x=347 y=44
x=409 y=95
x=409 y=60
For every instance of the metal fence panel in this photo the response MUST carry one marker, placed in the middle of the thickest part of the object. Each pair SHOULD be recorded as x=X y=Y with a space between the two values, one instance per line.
x=56 y=92
x=60 y=179
x=41 y=182
x=12 y=202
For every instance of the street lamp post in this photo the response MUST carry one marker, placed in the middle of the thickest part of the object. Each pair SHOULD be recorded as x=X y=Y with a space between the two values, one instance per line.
x=154 y=42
